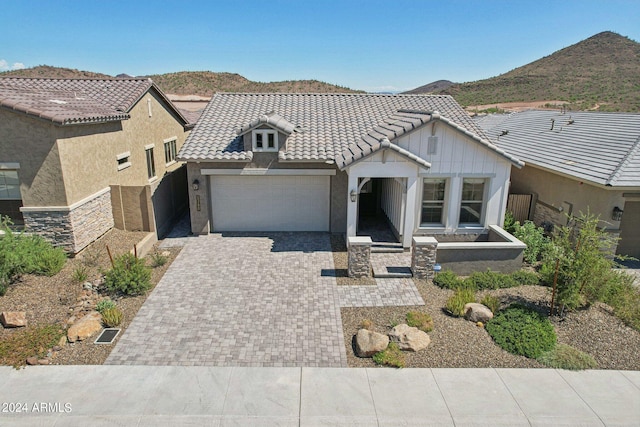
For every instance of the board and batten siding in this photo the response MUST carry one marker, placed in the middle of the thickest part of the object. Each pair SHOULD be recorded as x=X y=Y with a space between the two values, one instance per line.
x=392 y=203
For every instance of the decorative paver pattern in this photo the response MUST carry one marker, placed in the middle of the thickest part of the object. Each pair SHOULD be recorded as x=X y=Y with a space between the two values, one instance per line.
x=386 y=292
x=241 y=300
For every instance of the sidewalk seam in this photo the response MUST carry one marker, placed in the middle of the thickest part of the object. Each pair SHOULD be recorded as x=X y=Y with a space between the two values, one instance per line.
x=512 y=396
x=559 y=371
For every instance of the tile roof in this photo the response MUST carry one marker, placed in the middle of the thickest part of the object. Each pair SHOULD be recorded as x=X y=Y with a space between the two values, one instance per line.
x=603 y=148
x=324 y=127
x=75 y=101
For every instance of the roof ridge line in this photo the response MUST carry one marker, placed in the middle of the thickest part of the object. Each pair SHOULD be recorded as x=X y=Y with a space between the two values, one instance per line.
x=625 y=161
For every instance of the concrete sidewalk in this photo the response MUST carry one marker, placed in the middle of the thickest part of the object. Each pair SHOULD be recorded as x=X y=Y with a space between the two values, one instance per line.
x=221 y=396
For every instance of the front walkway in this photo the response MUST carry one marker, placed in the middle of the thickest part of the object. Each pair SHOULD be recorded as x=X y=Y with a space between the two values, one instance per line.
x=241 y=300
x=171 y=396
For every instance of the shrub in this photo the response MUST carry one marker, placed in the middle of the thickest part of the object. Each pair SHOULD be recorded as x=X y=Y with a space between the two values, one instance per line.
x=104 y=304
x=509 y=222
x=532 y=236
x=129 y=275
x=80 y=274
x=524 y=277
x=563 y=356
x=492 y=302
x=422 y=321
x=522 y=331
x=157 y=259
x=112 y=317
x=366 y=324
x=28 y=342
x=624 y=298
x=491 y=280
x=392 y=356
x=455 y=304
x=447 y=280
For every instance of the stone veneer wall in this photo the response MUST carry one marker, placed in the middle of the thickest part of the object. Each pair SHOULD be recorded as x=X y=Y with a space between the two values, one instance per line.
x=75 y=228
x=359 y=256
x=543 y=214
x=423 y=257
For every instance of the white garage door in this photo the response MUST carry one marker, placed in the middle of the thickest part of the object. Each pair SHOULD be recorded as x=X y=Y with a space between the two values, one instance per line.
x=270 y=203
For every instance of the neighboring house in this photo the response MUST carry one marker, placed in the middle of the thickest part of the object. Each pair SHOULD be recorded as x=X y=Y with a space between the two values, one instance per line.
x=78 y=156
x=576 y=161
x=322 y=162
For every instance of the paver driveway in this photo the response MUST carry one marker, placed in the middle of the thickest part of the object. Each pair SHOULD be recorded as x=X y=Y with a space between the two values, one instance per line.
x=241 y=300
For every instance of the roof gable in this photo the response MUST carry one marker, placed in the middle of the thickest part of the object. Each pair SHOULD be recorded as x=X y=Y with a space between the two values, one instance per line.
x=272 y=120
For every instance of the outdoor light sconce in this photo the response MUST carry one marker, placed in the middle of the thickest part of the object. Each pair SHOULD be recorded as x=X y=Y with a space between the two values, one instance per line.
x=616 y=215
x=195 y=185
x=353 y=195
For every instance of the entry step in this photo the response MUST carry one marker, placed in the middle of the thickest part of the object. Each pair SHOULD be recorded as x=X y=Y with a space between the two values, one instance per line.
x=386 y=265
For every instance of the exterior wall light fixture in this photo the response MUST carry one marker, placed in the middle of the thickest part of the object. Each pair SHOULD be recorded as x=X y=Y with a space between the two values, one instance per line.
x=616 y=215
x=353 y=195
x=195 y=185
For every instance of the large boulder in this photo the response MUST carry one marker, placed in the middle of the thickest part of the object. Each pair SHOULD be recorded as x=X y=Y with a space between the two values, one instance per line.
x=369 y=343
x=13 y=319
x=85 y=327
x=475 y=312
x=409 y=338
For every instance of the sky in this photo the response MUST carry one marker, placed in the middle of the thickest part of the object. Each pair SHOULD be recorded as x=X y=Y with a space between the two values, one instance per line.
x=371 y=45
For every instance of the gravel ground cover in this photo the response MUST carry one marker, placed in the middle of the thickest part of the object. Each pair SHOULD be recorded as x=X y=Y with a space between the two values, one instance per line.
x=48 y=299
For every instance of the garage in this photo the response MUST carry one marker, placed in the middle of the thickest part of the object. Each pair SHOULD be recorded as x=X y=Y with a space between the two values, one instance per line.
x=270 y=203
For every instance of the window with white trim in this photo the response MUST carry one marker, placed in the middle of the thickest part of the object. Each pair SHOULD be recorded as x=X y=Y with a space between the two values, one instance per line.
x=123 y=160
x=433 y=191
x=472 y=203
x=265 y=140
x=9 y=185
x=151 y=166
x=170 y=151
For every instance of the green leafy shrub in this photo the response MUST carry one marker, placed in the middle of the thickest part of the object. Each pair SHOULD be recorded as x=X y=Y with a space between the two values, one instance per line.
x=522 y=331
x=524 y=277
x=491 y=280
x=493 y=303
x=532 y=236
x=563 y=356
x=112 y=317
x=624 y=298
x=392 y=356
x=455 y=304
x=157 y=259
x=447 y=280
x=104 y=304
x=129 y=275
x=80 y=274
x=509 y=223
x=422 y=321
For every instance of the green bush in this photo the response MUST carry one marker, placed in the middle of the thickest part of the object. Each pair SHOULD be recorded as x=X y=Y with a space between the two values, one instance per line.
x=491 y=280
x=157 y=259
x=447 y=280
x=509 y=223
x=493 y=303
x=392 y=356
x=420 y=320
x=563 y=356
x=524 y=277
x=532 y=236
x=80 y=274
x=623 y=297
x=112 y=317
x=129 y=275
x=455 y=304
x=522 y=331
x=104 y=304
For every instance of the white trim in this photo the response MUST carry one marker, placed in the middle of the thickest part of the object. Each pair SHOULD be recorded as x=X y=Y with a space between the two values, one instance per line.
x=265 y=138
x=123 y=155
x=173 y=138
x=9 y=165
x=172 y=162
x=149 y=146
x=65 y=208
x=266 y=171
x=124 y=166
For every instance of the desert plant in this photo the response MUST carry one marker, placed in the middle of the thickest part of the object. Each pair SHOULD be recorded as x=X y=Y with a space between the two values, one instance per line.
x=522 y=331
x=28 y=342
x=524 y=277
x=533 y=236
x=104 y=304
x=129 y=275
x=624 y=297
x=420 y=320
x=493 y=303
x=563 y=356
x=80 y=274
x=455 y=304
x=490 y=280
x=392 y=356
x=366 y=324
x=112 y=317
x=447 y=280
x=157 y=259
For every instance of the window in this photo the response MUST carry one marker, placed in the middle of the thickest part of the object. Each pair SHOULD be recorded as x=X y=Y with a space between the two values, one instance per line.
x=265 y=140
x=433 y=191
x=151 y=166
x=170 y=151
x=9 y=185
x=123 y=160
x=472 y=203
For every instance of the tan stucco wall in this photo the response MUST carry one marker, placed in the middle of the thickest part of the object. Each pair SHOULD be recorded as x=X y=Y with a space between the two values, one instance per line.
x=555 y=190
x=32 y=143
x=88 y=153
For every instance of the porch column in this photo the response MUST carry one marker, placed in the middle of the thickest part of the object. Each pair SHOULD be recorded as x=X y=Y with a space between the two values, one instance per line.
x=352 y=207
x=410 y=211
x=359 y=256
x=423 y=257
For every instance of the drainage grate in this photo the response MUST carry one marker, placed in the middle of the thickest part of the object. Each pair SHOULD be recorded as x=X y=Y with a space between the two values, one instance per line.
x=107 y=336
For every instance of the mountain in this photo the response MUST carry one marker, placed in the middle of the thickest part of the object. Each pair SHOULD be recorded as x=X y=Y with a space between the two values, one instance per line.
x=599 y=73
x=435 y=87
x=202 y=83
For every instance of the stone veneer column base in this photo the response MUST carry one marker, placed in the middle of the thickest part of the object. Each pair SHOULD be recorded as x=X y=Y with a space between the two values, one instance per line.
x=359 y=251
x=423 y=257
x=72 y=227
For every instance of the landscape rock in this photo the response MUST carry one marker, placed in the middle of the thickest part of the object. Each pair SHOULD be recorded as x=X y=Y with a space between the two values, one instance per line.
x=43 y=362
x=475 y=312
x=409 y=338
x=32 y=361
x=13 y=319
x=84 y=328
x=369 y=343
